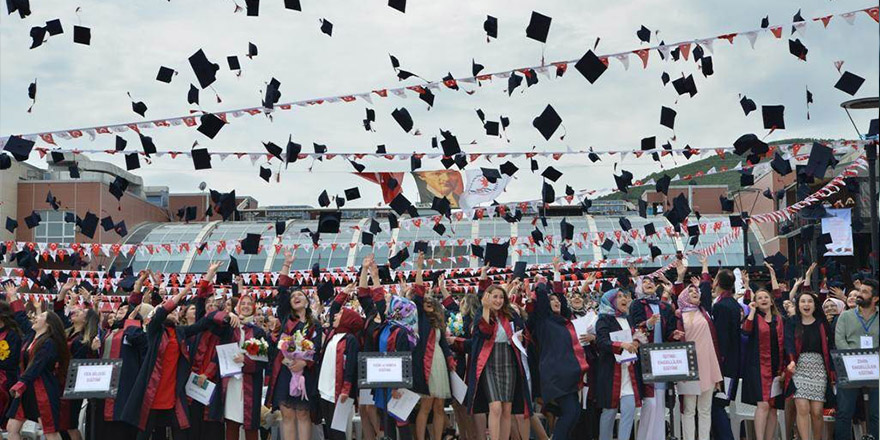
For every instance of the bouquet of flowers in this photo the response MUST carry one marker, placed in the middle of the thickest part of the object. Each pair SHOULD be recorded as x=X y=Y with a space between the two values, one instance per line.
x=297 y=347
x=256 y=349
x=455 y=325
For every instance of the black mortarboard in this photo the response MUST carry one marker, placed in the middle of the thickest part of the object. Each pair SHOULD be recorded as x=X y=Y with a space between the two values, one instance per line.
x=11 y=224
x=649 y=143
x=57 y=157
x=250 y=244
x=52 y=201
x=607 y=245
x=747 y=105
x=706 y=66
x=590 y=66
x=548 y=194
x=662 y=184
x=650 y=230
x=205 y=70
x=667 y=117
x=519 y=269
x=272 y=149
x=773 y=116
x=5 y=162
x=328 y=222
x=427 y=96
x=873 y=127
x=147 y=145
x=746 y=178
x=88 y=225
x=491 y=174
x=796 y=48
x=849 y=83
x=513 y=82
x=765 y=22
x=366 y=239
x=644 y=34
x=551 y=173
x=33 y=220
x=20 y=148
x=352 y=194
x=736 y=221
x=420 y=246
x=539 y=27
x=777 y=261
x=392 y=221
x=415 y=162
x=401 y=115
x=38 y=35
x=399 y=5
x=508 y=168
x=273 y=93
x=73 y=170
x=233 y=62
x=492 y=128
x=326 y=291
x=139 y=107
x=441 y=205
x=252 y=7
x=780 y=165
x=491 y=27
x=120 y=143
x=726 y=204
x=201 y=158
x=210 y=125
x=400 y=204
x=566 y=229
x=324 y=199
x=53 y=27
x=439 y=229
x=643 y=208
x=165 y=74
x=326 y=27
x=685 y=84
x=189 y=213
x=118 y=187
x=25 y=259
x=749 y=142
x=496 y=254
x=821 y=157
x=625 y=224
x=47 y=280
x=625 y=247
x=655 y=251
x=192 y=96
x=449 y=144
x=477 y=251
x=624 y=180
x=121 y=229
x=547 y=122
x=82 y=35
x=680 y=210
x=107 y=223
x=265 y=173
x=252 y=50
x=132 y=162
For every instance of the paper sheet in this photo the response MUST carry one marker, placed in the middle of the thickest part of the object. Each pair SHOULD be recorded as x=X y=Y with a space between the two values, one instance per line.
x=776 y=387
x=580 y=325
x=365 y=397
x=623 y=336
x=342 y=414
x=725 y=393
x=403 y=407
x=201 y=394
x=225 y=354
x=459 y=388
x=517 y=341
x=584 y=393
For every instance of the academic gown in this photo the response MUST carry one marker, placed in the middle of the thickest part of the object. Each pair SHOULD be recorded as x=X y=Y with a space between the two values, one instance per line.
x=607 y=391
x=136 y=411
x=423 y=352
x=482 y=344
x=561 y=358
x=763 y=359
x=639 y=312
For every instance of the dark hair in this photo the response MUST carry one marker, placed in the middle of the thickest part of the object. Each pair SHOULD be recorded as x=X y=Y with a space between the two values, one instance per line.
x=875 y=287
x=726 y=279
x=55 y=333
x=818 y=313
x=437 y=318
x=8 y=318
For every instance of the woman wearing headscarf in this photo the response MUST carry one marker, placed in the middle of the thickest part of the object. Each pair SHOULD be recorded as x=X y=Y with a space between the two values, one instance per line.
x=496 y=376
x=242 y=394
x=833 y=307
x=432 y=358
x=400 y=333
x=621 y=392
x=696 y=324
x=763 y=362
x=337 y=380
x=561 y=358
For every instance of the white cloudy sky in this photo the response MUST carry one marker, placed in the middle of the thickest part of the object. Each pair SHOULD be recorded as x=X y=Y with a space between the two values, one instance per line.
x=82 y=86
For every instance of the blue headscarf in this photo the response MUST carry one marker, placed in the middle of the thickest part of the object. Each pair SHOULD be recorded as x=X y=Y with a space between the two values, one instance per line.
x=404 y=315
x=608 y=303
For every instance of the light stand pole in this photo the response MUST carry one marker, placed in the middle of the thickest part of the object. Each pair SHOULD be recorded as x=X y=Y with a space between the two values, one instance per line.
x=871 y=155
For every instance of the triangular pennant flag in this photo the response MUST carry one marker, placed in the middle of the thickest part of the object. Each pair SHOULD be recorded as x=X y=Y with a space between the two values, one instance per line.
x=624 y=59
x=643 y=54
x=685 y=50
x=752 y=37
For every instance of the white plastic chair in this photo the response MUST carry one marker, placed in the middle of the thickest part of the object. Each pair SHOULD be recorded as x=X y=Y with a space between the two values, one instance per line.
x=741 y=412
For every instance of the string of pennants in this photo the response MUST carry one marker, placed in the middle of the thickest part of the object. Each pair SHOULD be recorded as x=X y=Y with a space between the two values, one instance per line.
x=459 y=281
x=594 y=155
x=551 y=70
x=525 y=247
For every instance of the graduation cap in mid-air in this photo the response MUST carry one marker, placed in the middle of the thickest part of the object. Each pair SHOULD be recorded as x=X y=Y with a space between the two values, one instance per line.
x=539 y=27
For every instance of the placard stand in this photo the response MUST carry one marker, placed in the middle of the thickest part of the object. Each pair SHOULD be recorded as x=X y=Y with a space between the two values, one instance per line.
x=70 y=385
x=865 y=360
x=396 y=370
x=673 y=353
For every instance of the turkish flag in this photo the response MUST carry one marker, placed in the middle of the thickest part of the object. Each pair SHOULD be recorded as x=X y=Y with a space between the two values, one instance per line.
x=383 y=179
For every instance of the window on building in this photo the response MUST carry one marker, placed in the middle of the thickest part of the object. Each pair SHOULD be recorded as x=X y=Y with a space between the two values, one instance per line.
x=53 y=229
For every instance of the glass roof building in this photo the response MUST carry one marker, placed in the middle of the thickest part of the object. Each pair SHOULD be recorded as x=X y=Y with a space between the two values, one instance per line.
x=457 y=252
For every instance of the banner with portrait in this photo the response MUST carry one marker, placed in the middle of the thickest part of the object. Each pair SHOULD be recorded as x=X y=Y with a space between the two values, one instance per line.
x=442 y=183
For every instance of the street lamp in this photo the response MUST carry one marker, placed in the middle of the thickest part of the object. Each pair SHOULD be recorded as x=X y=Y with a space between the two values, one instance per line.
x=745 y=215
x=871 y=154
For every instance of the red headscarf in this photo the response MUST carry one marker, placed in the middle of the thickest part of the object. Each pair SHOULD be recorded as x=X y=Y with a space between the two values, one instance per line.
x=350 y=321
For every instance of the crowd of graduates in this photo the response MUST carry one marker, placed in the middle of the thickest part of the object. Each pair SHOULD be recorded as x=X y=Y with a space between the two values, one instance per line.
x=520 y=347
